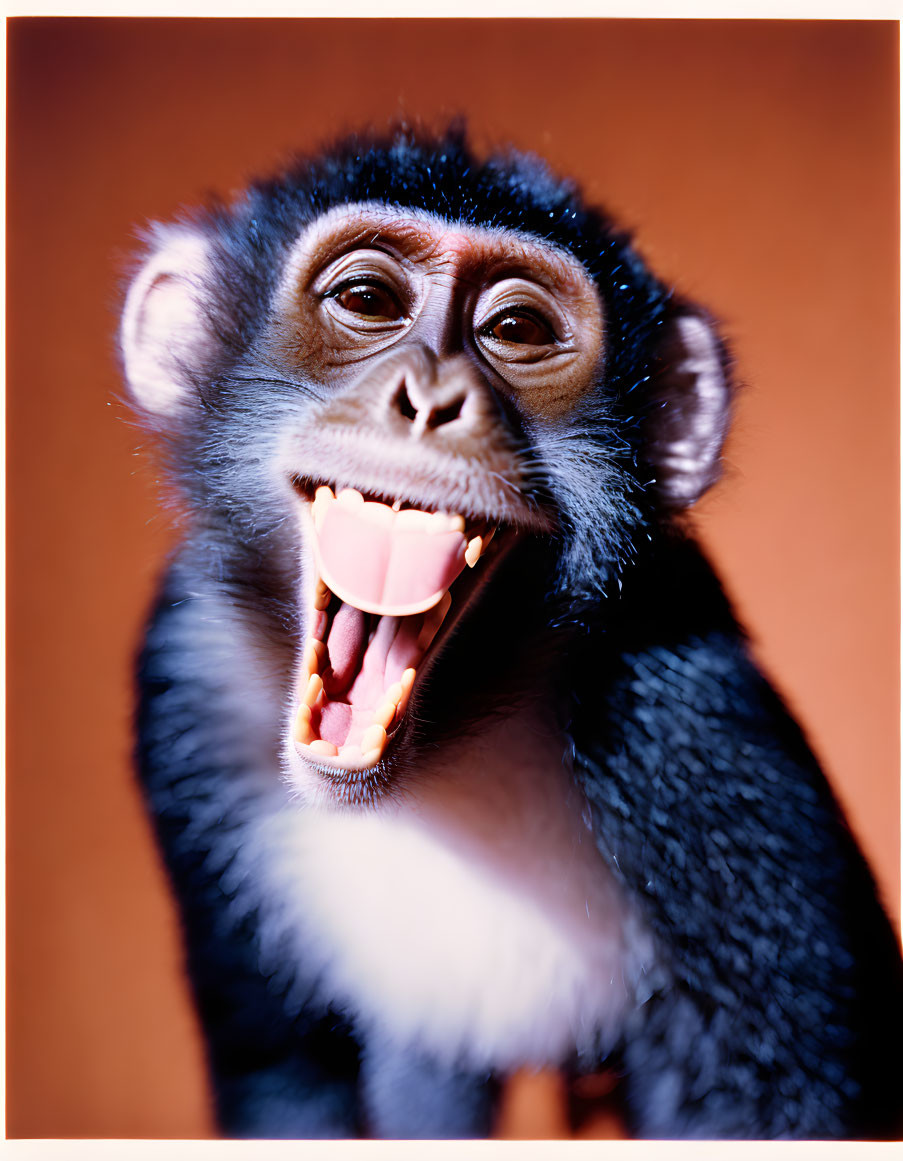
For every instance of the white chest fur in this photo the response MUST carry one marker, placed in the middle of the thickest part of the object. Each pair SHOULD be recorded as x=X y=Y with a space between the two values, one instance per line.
x=476 y=917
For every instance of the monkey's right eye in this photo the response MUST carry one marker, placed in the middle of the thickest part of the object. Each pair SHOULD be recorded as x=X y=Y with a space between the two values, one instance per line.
x=370 y=300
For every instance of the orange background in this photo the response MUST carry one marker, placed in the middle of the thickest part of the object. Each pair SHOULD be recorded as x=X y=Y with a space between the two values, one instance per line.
x=758 y=163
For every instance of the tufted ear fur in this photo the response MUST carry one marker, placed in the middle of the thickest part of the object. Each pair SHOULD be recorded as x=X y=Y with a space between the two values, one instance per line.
x=689 y=411
x=167 y=334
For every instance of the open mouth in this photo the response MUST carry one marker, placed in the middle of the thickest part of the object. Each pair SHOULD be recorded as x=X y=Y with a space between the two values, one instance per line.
x=389 y=582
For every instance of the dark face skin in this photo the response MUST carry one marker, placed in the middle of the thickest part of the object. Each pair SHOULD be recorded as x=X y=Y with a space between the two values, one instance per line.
x=435 y=350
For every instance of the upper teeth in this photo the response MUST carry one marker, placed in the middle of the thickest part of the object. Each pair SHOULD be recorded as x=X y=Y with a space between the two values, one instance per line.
x=404 y=519
x=374 y=577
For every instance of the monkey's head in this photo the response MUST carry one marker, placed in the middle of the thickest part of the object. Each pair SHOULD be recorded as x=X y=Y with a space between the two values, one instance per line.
x=386 y=381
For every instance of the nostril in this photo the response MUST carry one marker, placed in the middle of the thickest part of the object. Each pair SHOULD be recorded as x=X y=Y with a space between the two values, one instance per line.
x=440 y=415
x=404 y=404
x=435 y=415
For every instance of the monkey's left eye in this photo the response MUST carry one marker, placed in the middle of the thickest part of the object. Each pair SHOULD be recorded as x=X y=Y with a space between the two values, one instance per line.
x=521 y=327
x=370 y=300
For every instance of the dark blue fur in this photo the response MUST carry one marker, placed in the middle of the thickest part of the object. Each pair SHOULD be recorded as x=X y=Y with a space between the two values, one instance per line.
x=783 y=1006
x=774 y=1008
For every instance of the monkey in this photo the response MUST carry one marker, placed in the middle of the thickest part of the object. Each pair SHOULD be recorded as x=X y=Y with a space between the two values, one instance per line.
x=454 y=748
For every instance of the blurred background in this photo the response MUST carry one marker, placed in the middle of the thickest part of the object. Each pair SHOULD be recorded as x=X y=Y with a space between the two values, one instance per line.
x=757 y=163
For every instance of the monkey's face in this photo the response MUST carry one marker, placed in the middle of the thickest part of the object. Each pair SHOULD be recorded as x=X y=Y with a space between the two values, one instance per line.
x=438 y=351
x=377 y=414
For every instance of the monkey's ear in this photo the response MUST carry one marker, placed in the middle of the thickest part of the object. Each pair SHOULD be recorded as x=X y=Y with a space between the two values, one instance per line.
x=689 y=409
x=167 y=335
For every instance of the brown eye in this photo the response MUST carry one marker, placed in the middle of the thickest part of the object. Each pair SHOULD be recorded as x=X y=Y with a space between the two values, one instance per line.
x=369 y=300
x=525 y=329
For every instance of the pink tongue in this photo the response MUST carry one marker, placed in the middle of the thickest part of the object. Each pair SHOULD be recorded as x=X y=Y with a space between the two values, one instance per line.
x=347 y=642
x=361 y=668
x=381 y=568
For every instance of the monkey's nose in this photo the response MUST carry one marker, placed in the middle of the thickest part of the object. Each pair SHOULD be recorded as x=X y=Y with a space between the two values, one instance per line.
x=429 y=394
x=418 y=408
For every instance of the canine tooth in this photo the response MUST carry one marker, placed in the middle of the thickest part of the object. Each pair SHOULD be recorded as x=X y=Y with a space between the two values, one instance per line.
x=350 y=497
x=439 y=611
x=314 y=689
x=385 y=714
x=327 y=749
x=371 y=757
x=456 y=523
x=305 y=712
x=394 y=692
x=314 y=656
x=407 y=684
x=432 y=622
x=322 y=596
x=474 y=551
x=304 y=731
x=373 y=739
